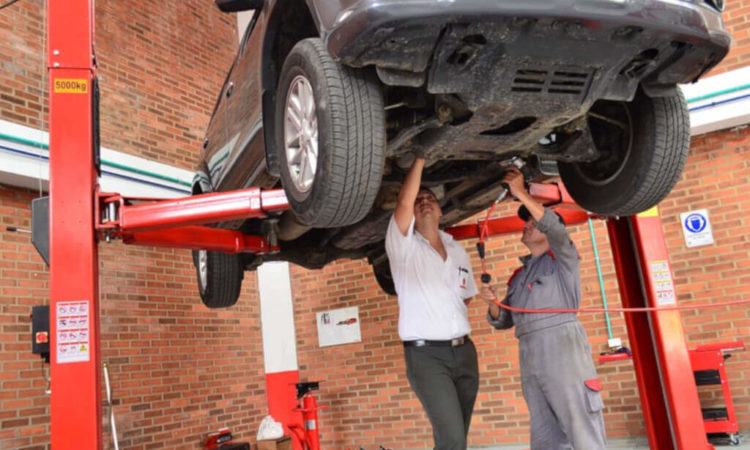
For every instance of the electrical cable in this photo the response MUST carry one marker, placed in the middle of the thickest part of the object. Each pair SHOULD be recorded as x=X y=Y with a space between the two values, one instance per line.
x=43 y=94
x=46 y=378
x=8 y=4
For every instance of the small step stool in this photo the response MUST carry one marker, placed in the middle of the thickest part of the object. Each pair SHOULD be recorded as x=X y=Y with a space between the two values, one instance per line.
x=707 y=362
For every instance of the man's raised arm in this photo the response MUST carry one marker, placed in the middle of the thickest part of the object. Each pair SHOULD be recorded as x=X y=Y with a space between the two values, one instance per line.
x=408 y=195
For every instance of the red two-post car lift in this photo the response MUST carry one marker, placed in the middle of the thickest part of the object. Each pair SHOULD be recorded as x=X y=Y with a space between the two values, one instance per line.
x=80 y=217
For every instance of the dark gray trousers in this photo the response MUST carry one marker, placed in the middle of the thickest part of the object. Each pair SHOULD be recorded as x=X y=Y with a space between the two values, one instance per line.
x=446 y=381
x=565 y=413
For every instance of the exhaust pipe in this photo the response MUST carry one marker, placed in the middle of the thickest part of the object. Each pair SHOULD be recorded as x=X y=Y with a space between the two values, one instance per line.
x=288 y=228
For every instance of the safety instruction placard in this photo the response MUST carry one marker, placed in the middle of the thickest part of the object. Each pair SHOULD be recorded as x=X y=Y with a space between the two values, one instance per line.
x=72 y=331
x=661 y=278
x=696 y=228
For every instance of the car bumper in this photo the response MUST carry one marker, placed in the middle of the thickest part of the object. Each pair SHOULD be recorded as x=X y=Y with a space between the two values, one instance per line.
x=402 y=34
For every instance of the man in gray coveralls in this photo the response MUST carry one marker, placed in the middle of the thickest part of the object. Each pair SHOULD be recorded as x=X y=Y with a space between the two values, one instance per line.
x=558 y=377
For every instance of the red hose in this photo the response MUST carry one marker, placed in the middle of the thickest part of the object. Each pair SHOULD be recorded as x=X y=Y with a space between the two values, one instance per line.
x=625 y=310
x=483 y=234
x=484 y=231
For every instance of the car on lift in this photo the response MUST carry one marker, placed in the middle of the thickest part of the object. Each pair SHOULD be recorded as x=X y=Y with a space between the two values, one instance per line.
x=331 y=100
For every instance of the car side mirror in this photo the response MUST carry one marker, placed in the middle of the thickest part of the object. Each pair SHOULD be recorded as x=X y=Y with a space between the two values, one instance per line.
x=228 y=6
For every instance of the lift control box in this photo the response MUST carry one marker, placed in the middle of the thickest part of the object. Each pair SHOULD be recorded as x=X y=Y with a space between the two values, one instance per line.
x=40 y=331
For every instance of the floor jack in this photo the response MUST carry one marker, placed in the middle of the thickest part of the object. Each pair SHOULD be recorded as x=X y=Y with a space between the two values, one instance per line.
x=308 y=406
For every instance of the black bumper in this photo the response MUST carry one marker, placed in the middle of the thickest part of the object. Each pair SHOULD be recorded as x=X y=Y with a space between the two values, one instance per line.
x=601 y=35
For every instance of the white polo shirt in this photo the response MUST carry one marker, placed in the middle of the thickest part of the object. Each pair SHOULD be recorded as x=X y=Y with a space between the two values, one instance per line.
x=431 y=291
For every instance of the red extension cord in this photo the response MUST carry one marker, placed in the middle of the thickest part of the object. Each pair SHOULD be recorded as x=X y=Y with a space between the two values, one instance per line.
x=483 y=235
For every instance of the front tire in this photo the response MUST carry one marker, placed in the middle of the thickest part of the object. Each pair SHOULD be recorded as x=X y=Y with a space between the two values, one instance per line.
x=330 y=137
x=643 y=145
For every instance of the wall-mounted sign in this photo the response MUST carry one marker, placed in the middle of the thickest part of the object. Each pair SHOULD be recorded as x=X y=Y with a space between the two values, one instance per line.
x=338 y=326
x=697 y=228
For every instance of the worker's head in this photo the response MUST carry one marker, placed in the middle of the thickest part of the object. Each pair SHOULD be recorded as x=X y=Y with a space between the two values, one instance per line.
x=532 y=237
x=427 y=210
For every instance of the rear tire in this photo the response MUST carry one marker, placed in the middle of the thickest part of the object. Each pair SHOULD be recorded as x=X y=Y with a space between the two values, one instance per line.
x=219 y=277
x=382 y=270
x=330 y=158
x=643 y=146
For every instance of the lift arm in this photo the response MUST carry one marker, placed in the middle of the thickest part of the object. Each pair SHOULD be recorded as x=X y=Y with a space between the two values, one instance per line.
x=552 y=195
x=172 y=223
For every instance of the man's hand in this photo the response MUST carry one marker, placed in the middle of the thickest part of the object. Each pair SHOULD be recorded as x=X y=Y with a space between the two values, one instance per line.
x=487 y=293
x=514 y=179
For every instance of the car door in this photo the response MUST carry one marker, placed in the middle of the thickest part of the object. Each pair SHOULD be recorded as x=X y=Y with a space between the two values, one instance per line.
x=245 y=152
x=215 y=146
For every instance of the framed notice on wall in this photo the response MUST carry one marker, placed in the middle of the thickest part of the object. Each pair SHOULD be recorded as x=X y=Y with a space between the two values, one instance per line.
x=696 y=227
x=338 y=326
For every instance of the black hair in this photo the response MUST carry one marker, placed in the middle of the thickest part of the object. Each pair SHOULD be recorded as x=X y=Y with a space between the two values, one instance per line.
x=422 y=187
x=524 y=214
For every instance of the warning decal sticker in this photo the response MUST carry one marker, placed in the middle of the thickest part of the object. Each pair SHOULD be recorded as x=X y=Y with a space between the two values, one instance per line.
x=72 y=343
x=661 y=278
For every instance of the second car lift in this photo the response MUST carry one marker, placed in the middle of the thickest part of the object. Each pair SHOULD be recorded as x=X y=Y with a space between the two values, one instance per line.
x=80 y=216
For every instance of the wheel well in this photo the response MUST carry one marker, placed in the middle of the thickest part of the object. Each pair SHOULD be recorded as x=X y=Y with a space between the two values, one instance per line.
x=289 y=22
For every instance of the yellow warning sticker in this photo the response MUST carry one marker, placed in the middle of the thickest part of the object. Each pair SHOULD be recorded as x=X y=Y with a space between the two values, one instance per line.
x=653 y=212
x=71 y=86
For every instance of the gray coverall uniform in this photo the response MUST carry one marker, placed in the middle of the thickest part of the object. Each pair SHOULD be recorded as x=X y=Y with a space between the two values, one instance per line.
x=558 y=377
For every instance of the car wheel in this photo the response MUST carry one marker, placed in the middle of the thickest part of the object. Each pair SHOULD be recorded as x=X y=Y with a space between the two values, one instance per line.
x=643 y=145
x=330 y=137
x=219 y=277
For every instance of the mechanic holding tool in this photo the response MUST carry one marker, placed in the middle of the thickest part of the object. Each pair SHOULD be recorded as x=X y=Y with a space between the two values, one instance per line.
x=558 y=377
x=433 y=278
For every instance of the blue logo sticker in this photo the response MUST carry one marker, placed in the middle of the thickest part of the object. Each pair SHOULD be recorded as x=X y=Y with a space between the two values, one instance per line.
x=695 y=223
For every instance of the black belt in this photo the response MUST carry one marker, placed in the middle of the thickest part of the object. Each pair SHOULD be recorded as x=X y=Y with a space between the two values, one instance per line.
x=428 y=343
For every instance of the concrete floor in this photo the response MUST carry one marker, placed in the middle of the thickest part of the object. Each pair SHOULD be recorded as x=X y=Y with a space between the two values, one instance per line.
x=629 y=443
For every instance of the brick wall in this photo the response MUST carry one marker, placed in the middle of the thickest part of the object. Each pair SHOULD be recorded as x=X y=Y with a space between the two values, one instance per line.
x=737 y=22
x=161 y=66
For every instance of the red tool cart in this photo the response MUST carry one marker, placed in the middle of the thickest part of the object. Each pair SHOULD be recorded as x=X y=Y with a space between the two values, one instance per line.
x=708 y=367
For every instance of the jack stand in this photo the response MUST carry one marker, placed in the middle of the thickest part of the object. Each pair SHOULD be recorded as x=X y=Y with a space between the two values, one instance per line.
x=311 y=438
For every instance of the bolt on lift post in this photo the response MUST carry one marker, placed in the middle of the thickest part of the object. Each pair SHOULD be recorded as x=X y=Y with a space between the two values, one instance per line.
x=79 y=216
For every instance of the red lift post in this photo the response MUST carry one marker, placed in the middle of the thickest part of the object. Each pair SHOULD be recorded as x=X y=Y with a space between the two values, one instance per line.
x=669 y=397
x=77 y=212
x=75 y=404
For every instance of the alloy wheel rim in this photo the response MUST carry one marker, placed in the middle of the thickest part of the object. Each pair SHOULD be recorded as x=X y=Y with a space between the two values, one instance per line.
x=301 y=134
x=203 y=267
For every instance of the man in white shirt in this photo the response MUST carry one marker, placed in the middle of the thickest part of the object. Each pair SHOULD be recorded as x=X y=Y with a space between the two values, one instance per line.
x=434 y=283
